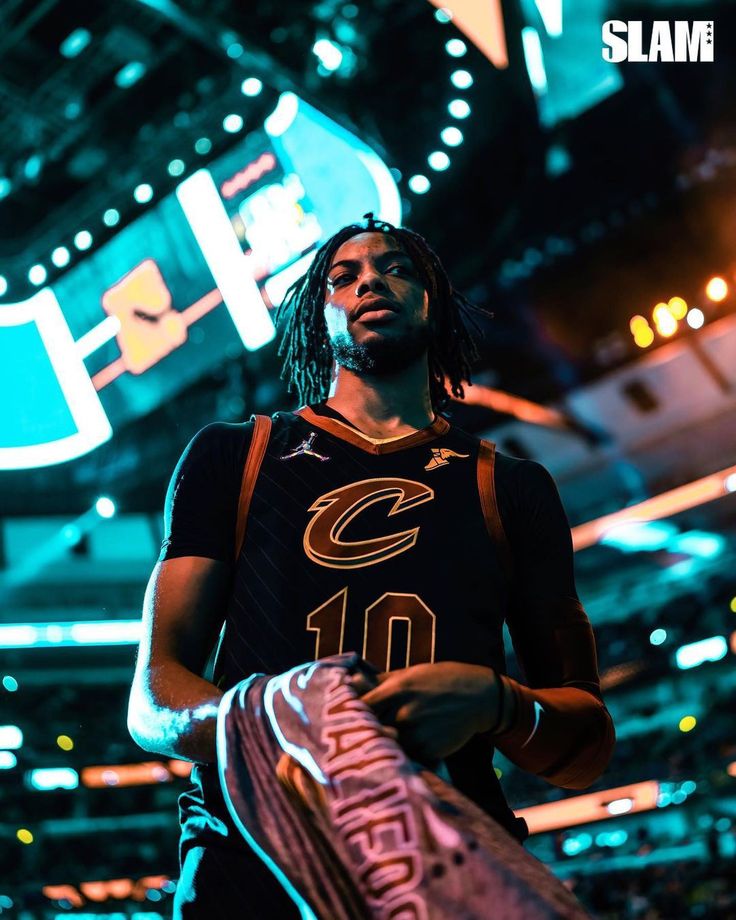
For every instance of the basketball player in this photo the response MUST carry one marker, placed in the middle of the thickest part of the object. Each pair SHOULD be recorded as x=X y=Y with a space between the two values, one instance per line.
x=373 y=525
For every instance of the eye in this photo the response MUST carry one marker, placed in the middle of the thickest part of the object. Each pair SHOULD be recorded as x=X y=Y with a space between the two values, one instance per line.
x=339 y=279
x=398 y=267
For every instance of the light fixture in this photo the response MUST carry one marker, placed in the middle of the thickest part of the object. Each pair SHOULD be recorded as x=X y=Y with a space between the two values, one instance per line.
x=37 y=274
x=462 y=79
x=60 y=256
x=459 y=108
x=251 y=86
x=419 y=184
x=232 y=123
x=83 y=240
x=143 y=193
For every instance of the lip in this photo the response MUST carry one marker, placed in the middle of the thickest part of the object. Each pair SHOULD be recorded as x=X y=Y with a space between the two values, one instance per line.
x=378 y=307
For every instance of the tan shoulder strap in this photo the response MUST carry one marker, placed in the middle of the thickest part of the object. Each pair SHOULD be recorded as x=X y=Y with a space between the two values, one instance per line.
x=256 y=451
x=489 y=504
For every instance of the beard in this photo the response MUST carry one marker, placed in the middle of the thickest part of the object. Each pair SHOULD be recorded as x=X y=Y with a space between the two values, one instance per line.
x=379 y=356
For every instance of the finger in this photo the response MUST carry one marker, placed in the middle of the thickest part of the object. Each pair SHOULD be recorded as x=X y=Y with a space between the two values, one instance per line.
x=361 y=683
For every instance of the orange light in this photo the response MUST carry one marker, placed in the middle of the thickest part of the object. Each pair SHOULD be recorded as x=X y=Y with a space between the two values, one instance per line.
x=133 y=774
x=581 y=809
x=678 y=307
x=660 y=506
x=666 y=325
x=644 y=337
x=660 y=311
x=731 y=768
x=716 y=289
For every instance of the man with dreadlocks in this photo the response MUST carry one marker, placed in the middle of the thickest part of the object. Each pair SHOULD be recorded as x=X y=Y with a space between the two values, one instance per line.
x=376 y=526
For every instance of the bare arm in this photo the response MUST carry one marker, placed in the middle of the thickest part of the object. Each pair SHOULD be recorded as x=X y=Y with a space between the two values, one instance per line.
x=172 y=710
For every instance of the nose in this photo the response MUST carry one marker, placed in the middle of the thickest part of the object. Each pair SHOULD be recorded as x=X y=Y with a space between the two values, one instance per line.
x=370 y=280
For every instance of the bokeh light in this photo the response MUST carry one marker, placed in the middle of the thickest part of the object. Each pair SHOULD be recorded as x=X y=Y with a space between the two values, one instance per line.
x=687 y=723
x=695 y=318
x=716 y=289
x=65 y=743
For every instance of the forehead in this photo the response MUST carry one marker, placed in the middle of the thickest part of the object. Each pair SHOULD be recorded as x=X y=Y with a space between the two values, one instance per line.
x=366 y=245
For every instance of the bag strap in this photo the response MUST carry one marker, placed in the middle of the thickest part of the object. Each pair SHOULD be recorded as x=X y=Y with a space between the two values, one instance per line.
x=256 y=452
x=489 y=504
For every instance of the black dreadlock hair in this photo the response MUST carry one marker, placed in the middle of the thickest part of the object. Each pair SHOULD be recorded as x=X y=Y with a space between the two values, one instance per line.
x=307 y=352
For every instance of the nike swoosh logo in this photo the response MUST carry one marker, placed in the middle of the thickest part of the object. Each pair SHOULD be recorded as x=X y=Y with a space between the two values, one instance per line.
x=538 y=710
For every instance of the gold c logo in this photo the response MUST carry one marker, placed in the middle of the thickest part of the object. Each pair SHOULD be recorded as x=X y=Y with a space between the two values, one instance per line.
x=336 y=509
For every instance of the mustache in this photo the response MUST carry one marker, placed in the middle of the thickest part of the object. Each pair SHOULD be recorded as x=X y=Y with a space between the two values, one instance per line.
x=375 y=303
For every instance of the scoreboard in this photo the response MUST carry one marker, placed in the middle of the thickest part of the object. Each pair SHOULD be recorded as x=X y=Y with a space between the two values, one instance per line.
x=191 y=282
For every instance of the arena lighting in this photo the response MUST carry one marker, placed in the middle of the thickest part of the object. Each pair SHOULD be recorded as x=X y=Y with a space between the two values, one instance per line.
x=130 y=74
x=574 y=845
x=47 y=779
x=698 y=543
x=443 y=15
x=202 y=146
x=669 y=503
x=24 y=835
x=456 y=47
x=731 y=768
x=635 y=536
x=3 y=285
x=329 y=53
x=11 y=737
x=176 y=167
x=482 y=23
x=232 y=123
x=143 y=193
x=716 y=289
x=75 y=43
x=551 y=13
x=105 y=507
x=534 y=59
x=283 y=115
x=83 y=240
x=677 y=307
x=7 y=760
x=695 y=318
x=459 y=108
x=452 y=136
x=37 y=274
x=584 y=809
x=65 y=743
x=131 y=774
x=658 y=636
x=438 y=160
x=687 y=723
x=111 y=217
x=69 y=634
x=462 y=79
x=697 y=653
x=10 y=683
x=419 y=184
x=251 y=86
x=60 y=256
x=211 y=226
x=118 y=889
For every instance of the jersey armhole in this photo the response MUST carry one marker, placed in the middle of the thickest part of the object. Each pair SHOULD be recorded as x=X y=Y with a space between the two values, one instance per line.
x=489 y=504
x=251 y=467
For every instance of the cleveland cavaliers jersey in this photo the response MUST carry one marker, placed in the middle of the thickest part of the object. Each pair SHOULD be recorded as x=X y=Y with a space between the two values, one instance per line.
x=392 y=549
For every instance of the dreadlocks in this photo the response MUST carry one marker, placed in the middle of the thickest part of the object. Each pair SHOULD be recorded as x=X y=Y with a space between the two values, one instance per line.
x=307 y=353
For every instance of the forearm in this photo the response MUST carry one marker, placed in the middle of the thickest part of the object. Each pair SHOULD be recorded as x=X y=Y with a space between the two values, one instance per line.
x=173 y=712
x=562 y=734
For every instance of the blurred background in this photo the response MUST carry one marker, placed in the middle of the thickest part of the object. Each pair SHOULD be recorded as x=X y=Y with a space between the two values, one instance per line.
x=167 y=168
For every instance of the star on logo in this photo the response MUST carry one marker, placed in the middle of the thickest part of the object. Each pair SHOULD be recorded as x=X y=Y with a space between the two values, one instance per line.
x=441 y=456
x=305 y=448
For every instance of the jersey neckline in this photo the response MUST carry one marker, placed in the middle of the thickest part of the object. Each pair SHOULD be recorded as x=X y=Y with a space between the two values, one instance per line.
x=372 y=445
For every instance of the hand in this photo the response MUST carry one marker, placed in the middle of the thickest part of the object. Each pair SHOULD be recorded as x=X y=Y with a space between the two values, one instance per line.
x=435 y=708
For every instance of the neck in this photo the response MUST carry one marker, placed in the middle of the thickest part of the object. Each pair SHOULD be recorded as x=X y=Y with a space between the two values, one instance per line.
x=385 y=404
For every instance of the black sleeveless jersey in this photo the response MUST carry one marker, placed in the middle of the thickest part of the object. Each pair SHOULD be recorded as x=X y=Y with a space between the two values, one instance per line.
x=382 y=548
x=394 y=549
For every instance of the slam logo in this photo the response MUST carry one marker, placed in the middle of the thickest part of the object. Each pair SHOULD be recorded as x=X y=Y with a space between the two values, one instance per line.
x=669 y=41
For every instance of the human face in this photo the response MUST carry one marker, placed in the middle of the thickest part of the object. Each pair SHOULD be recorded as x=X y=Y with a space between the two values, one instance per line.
x=376 y=307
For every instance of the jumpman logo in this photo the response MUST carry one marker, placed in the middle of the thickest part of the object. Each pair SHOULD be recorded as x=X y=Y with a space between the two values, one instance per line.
x=441 y=456
x=306 y=448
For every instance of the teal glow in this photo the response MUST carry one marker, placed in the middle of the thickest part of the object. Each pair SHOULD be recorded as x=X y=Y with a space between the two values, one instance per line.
x=456 y=47
x=611 y=838
x=251 y=86
x=129 y=74
x=534 y=59
x=7 y=760
x=176 y=167
x=722 y=825
x=11 y=737
x=451 y=136
x=105 y=507
x=60 y=256
x=202 y=146
x=551 y=13
x=459 y=108
x=574 y=845
x=658 y=636
x=83 y=240
x=60 y=635
x=234 y=51
x=75 y=43
x=37 y=274
x=282 y=117
x=462 y=79
x=633 y=536
x=111 y=217
x=10 y=683
x=143 y=193
x=330 y=54
x=47 y=778
x=697 y=653
x=32 y=167
x=232 y=123
x=3 y=285
x=688 y=787
x=443 y=15
x=419 y=184
x=438 y=160
x=6 y=186
x=697 y=543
